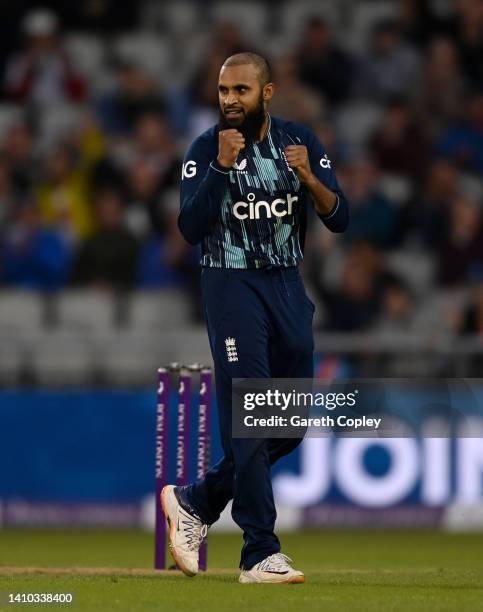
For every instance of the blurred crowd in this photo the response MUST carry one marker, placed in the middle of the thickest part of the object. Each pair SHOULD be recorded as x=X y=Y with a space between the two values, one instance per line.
x=98 y=104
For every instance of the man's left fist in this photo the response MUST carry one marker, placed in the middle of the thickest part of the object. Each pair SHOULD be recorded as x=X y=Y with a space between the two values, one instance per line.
x=298 y=160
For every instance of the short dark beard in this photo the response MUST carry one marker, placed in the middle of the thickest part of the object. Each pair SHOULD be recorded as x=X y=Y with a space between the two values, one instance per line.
x=252 y=124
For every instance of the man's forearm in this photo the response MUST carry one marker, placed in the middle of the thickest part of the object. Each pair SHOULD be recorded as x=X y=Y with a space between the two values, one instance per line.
x=331 y=207
x=324 y=199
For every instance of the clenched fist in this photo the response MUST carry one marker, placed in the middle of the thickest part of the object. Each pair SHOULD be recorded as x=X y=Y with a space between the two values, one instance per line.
x=230 y=143
x=298 y=160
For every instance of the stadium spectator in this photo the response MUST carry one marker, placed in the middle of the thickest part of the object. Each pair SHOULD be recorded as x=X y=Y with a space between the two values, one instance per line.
x=148 y=167
x=153 y=143
x=462 y=142
x=422 y=69
x=466 y=29
x=109 y=258
x=100 y=17
x=33 y=256
x=145 y=200
x=294 y=101
x=151 y=208
x=200 y=99
x=439 y=94
x=427 y=217
x=355 y=305
x=322 y=65
x=468 y=323
x=373 y=217
x=8 y=196
x=63 y=193
x=155 y=270
x=399 y=145
x=134 y=94
x=417 y=20
x=471 y=320
x=20 y=148
x=461 y=250
x=397 y=308
x=228 y=39
x=41 y=73
x=151 y=214
x=337 y=148
x=12 y=13
x=202 y=96
x=390 y=67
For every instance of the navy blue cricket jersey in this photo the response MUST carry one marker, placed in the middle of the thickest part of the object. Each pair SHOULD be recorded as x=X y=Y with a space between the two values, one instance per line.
x=254 y=214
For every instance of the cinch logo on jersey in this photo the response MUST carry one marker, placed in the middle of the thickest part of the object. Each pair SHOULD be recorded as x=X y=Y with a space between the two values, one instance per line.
x=279 y=207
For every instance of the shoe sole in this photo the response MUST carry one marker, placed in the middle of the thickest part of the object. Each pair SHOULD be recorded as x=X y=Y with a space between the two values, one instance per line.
x=172 y=529
x=294 y=580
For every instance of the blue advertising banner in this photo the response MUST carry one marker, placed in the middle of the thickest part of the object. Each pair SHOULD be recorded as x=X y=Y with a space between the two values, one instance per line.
x=99 y=447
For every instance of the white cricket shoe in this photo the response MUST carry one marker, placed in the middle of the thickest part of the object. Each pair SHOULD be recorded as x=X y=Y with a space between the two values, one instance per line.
x=274 y=569
x=186 y=532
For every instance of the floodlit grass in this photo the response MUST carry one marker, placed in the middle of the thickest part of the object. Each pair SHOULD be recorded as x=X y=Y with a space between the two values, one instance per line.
x=345 y=570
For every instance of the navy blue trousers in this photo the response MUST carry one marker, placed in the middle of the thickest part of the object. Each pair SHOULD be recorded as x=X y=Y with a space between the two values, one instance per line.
x=269 y=315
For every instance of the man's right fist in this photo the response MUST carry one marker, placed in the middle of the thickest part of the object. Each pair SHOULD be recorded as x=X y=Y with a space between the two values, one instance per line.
x=230 y=143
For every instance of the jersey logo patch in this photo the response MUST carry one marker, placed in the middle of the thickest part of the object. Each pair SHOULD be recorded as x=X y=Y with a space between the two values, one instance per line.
x=231 y=349
x=280 y=207
x=189 y=169
x=241 y=166
x=325 y=162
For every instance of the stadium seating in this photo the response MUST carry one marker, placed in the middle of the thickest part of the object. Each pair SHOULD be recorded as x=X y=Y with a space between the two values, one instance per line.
x=356 y=120
x=150 y=52
x=21 y=312
x=85 y=311
x=12 y=360
x=56 y=121
x=9 y=114
x=60 y=359
x=415 y=267
x=177 y=19
x=251 y=17
x=294 y=15
x=86 y=52
x=364 y=16
x=158 y=310
x=81 y=335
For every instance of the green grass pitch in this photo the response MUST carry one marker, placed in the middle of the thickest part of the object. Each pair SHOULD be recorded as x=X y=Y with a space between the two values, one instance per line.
x=346 y=570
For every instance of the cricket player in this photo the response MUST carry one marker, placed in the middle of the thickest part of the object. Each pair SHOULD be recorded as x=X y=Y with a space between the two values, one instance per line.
x=247 y=183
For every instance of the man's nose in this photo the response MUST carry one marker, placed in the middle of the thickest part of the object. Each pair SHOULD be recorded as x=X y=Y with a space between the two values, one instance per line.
x=230 y=99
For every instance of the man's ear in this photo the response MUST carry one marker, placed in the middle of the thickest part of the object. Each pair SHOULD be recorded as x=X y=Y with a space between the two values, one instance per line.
x=268 y=91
